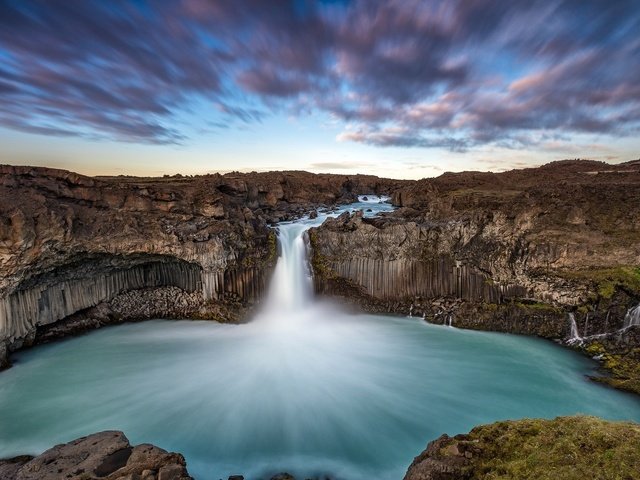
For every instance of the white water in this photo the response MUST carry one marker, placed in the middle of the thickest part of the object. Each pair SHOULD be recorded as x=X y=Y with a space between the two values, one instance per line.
x=304 y=388
x=291 y=286
x=574 y=337
x=632 y=317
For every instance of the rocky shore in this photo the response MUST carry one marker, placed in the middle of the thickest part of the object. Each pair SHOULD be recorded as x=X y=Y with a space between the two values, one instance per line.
x=105 y=455
x=567 y=447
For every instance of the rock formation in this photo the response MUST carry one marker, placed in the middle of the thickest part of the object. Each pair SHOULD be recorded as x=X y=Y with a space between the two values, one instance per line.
x=105 y=456
x=513 y=252
x=75 y=246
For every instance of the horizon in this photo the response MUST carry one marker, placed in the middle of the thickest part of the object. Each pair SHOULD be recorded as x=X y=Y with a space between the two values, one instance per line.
x=223 y=173
x=403 y=90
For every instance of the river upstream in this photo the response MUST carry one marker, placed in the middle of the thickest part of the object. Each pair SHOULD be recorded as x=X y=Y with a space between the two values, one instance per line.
x=304 y=388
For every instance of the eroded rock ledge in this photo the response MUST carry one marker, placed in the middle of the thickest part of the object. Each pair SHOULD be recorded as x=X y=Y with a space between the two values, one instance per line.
x=105 y=456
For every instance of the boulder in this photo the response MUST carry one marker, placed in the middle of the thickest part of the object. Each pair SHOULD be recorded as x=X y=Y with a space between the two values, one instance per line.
x=105 y=455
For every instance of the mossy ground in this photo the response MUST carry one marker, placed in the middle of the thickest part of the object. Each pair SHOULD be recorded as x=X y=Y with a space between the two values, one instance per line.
x=319 y=263
x=538 y=306
x=566 y=448
x=624 y=368
x=606 y=280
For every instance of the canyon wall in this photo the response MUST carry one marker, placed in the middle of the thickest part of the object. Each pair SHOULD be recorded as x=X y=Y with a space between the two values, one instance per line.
x=512 y=252
x=72 y=245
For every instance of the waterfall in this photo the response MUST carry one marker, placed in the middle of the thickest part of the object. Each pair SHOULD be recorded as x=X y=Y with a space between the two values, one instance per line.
x=574 y=337
x=586 y=325
x=291 y=286
x=632 y=317
x=450 y=320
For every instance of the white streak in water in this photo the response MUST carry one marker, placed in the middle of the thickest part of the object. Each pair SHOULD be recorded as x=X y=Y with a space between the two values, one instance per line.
x=632 y=317
x=574 y=336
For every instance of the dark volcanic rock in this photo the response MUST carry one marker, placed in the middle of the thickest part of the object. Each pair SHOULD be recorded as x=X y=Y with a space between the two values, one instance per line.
x=436 y=464
x=283 y=476
x=105 y=455
x=10 y=467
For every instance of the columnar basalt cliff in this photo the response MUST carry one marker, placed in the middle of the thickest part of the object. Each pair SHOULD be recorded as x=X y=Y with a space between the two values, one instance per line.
x=74 y=248
x=515 y=251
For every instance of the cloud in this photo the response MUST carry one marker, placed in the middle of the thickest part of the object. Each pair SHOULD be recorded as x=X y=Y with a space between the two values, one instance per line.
x=338 y=165
x=447 y=74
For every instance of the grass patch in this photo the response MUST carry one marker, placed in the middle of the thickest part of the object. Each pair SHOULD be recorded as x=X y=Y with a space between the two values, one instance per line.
x=624 y=367
x=537 y=306
x=319 y=263
x=606 y=280
x=566 y=448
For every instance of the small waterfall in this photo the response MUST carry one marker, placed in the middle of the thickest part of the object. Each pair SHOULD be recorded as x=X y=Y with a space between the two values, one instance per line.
x=450 y=320
x=574 y=337
x=586 y=325
x=632 y=317
x=411 y=310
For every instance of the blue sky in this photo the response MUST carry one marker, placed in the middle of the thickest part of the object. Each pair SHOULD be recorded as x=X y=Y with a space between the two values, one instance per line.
x=405 y=89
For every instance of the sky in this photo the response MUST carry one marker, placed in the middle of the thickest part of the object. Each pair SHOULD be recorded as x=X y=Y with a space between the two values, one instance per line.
x=395 y=88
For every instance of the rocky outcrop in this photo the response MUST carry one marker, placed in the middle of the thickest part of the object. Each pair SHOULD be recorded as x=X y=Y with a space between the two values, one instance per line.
x=105 y=455
x=567 y=448
x=531 y=237
x=619 y=353
x=70 y=243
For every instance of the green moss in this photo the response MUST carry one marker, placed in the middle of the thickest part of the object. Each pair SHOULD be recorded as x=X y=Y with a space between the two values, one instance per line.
x=583 y=309
x=259 y=255
x=607 y=280
x=624 y=368
x=273 y=245
x=538 y=306
x=565 y=448
x=319 y=263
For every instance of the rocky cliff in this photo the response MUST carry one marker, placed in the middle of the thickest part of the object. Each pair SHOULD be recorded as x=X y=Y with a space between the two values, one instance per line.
x=514 y=251
x=74 y=248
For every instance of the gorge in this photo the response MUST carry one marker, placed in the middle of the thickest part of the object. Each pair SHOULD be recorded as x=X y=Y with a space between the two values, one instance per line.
x=308 y=385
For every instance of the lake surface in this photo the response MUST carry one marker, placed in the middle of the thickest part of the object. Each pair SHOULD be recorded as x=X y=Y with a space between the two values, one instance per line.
x=304 y=388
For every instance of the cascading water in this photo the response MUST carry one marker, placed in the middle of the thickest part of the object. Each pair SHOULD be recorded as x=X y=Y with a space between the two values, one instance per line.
x=304 y=388
x=574 y=336
x=291 y=285
x=632 y=317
